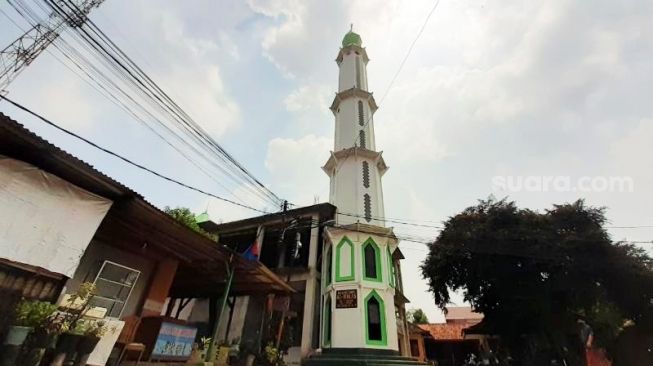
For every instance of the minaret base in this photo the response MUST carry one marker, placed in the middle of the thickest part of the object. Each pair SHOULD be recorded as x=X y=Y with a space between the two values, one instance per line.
x=359 y=357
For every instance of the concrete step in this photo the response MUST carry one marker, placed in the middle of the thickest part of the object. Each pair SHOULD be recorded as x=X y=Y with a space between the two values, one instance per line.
x=360 y=359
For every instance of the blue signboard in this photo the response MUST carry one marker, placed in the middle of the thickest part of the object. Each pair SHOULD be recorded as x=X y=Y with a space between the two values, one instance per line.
x=174 y=342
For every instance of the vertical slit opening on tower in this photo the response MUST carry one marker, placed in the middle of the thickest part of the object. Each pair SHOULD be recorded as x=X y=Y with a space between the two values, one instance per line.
x=367 y=202
x=366 y=174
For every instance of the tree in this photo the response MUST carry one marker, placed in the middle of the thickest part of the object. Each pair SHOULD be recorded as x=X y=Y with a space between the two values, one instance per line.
x=535 y=275
x=417 y=316
x=184 y=216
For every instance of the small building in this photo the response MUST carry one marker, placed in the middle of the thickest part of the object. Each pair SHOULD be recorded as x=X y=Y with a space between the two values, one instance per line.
x=290 y=243
x=447 y=343
x=417 y=336
x=65 y=223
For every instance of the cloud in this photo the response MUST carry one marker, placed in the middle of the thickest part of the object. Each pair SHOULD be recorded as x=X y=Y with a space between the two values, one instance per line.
x=526 y=87
x=294 y=166
x=554 y=87
x=300 y=27
x=54 y=102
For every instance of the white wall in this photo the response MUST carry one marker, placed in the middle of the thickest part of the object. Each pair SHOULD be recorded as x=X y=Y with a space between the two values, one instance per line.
x=348 y=325
x=348 y=195
x=96 y=254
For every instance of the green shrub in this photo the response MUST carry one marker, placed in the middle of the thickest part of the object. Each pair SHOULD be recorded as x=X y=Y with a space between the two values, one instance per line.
x=33 y=313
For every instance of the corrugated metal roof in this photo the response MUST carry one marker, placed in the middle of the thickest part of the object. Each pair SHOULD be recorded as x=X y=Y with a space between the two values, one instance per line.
x=133 y=214
x=19 y=143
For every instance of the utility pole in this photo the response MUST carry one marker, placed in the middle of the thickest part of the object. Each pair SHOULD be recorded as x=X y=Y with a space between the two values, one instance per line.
x=21 y=52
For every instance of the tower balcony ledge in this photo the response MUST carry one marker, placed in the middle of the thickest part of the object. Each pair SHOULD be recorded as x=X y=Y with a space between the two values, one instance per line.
x=342 y=155
x=352 y=48
x=386 y=232
x=351 y=93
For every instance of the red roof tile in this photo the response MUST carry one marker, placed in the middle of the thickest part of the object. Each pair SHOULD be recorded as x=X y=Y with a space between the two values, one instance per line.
x=445 y=331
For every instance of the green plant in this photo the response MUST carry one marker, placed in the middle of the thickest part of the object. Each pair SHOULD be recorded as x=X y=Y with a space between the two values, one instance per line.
x=204 y=343
x=272 y=356
x=34 y=313
x=57 y=324
x=90 y=328
x=84 y=293
x=184 y=216
x=417 y=316
x=77 y=305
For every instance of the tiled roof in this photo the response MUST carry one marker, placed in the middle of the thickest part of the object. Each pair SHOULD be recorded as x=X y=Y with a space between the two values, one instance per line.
x=449 y=332
x=462 y=313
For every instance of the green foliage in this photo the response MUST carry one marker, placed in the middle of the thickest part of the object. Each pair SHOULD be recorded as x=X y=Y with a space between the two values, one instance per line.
x=90 y=327
x=34 y=313
x=272 y=356
x=417 y=316
x=184 y=216
x=70 y=320
x=534 y=274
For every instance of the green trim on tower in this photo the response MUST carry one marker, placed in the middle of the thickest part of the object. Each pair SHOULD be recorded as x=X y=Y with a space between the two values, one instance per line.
x=341 y=278
x=352 y=39
x=384 y=336
x=391 y=269
x=377 y=258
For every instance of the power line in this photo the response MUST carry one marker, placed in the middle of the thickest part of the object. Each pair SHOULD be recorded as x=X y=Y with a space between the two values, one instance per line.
x=397 y=221
x=126 y=71
x=73 y=56
x=137 y=165
x=411 y=222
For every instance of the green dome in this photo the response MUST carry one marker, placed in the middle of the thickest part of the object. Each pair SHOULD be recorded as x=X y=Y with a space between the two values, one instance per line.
x=203 y=217
x=352 y=39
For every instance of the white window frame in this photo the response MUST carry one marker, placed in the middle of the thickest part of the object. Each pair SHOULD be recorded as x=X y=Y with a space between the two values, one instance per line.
x=131 y=288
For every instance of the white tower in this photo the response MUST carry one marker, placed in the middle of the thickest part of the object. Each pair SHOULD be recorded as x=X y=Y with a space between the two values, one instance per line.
x=358 y=277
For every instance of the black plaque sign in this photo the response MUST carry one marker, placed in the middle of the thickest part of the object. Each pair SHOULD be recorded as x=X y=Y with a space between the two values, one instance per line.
x=346 y=299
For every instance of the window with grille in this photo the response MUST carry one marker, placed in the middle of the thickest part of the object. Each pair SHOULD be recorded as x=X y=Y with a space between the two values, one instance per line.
x=375 y=332
x=366 y=174
x=361 y=115
x=114 y=284
x=371 y=261
x=361 y=135
x=374 y=319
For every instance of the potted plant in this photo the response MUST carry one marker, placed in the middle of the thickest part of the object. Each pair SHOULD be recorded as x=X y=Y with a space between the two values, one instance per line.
x=91 y=331
x=272 y=356
x=38 y=314
x=200 y=348
x=73 y=327
x=28 y=315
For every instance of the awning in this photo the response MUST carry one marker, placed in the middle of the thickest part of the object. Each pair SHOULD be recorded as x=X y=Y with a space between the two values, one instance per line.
x=135 y=225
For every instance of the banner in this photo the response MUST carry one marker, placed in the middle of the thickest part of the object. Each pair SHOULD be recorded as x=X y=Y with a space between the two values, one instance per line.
x=45 y=221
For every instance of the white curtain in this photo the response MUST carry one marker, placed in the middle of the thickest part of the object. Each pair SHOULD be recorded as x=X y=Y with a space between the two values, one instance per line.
x=45 y=221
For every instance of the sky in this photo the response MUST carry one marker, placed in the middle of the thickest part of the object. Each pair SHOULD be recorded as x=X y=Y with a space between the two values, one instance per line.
x=517 y=99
